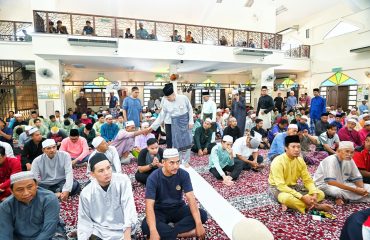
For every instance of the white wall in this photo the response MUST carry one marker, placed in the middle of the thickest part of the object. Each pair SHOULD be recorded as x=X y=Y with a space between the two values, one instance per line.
x=229 y=14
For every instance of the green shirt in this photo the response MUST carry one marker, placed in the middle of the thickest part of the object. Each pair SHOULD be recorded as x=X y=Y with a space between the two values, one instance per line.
x=219 y=159
x=44 y=131
x=202 y=138
x=97 y=127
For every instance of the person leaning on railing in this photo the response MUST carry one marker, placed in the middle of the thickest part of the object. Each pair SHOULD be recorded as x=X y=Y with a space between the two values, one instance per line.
x=60 y=28
x=88 y=30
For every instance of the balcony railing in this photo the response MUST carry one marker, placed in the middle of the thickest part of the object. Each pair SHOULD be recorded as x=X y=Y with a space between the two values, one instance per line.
x=294 y=51
x=13 y=31
x=108 y=26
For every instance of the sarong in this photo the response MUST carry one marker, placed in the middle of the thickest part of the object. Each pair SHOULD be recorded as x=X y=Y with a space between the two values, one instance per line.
x=181 y=134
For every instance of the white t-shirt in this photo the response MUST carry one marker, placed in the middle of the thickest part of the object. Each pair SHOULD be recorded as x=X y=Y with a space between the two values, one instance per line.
x=240 y=148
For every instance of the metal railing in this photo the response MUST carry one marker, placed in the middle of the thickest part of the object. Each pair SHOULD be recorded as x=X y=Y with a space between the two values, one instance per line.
x=13 y=31
x=108 y=26
x=294 y=51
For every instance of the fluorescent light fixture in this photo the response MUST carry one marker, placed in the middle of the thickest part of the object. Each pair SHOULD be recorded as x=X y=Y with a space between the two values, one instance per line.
x=249 y=3
x=340 y=29
x=289 y=29
x=218 y=1
x=281 y=9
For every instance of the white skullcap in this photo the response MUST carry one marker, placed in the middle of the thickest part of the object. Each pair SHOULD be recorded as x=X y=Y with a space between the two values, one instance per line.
x=27 y=128
x=33 y=130
x=170 y=153
x=251 y=229
x=253 y=115
x=293 y=126
x=130 y=123
x=48 y=143
x=367 y=123
x=353 y=109
x=144 y=107
x=365 y=115
x=20 y=176
x=218 y=110
x=352 y=120
x=255 y=142
x=208 y=120
x=365 y=111
x=145 y=124
x=148 y=114
x=17 y=115
x=346 y=144
x=228 y=138
x=96 y=141
x=305 y=117
x=152 y=118
x=108 y=116
x=235 y=92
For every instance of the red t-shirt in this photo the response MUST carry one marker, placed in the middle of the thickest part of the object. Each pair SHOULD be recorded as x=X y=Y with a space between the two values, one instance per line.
x=9 y=167
x=362 y=160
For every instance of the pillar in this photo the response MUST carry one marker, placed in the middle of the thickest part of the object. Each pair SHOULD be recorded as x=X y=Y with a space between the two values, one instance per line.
x=260 y=75
x=50 y=90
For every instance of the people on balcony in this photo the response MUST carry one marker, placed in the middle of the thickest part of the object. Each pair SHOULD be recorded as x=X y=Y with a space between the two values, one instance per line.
x=60 y=28
x=251 y=43
x=175 y=37
x=141 y=33
x=152 y=36
x=88 y=30
x=27 y=37
x=223 y=41
x=128 y=33
x=51 y=28
x=189 y=38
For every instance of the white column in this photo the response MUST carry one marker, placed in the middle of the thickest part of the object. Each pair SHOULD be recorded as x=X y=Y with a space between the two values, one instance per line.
x=46 y=102
x=260 y=75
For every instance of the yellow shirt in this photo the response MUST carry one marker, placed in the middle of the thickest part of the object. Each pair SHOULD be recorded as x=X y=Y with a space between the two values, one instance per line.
x=285 y=172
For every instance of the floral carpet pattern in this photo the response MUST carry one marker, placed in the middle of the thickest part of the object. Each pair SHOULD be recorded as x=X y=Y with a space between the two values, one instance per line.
x=248 y=195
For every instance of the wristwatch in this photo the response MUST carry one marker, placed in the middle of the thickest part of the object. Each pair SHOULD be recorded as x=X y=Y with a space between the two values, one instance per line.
x=151 y=165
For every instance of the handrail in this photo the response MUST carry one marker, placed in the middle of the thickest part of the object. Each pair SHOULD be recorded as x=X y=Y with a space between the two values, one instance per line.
x=110 y=26
x=12 y=30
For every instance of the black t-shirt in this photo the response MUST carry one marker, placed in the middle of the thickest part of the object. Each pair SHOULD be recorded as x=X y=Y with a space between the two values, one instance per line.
x=278 y=101
x=168 y=191
x=142 y=158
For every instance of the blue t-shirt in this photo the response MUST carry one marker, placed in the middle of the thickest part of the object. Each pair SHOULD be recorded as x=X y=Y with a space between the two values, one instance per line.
x=113 y=102
x=133 y=109
x=7 y=131
x=168 y=191
x=277 y=146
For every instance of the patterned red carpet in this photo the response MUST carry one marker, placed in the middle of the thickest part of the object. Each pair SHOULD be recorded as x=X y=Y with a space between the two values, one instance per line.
x=248 y=195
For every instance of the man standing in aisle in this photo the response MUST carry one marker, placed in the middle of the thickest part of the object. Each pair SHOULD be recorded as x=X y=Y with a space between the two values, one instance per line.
x=238 y=110
x=291 y=102
x=209 y=110
x=264 y=108
x=113 y=102
x=279 y=102
x=132 y=107
x=318 y=106
x=81 y=103
x=177 y=114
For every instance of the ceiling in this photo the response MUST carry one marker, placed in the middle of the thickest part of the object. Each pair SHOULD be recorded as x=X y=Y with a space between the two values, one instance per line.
x=158 y=66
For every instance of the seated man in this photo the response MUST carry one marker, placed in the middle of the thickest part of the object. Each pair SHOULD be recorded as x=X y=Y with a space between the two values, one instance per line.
x=140 y=140
x=362 y=159
x=285 y=171
x=302 y=124
x=277 y=128
x=265 y=144
x=31 y=213
x=149 y=159
x=23 y=136
x=309 y=156
x=337 y=121
x=329 y=140
x=322 y=124
x=233 y=129
x=221 y=161
x=109 y=130
x=364 y=131
x=245 y=150
x=339 y=177
x=8 y=166
x=348 y=133
x=101 y=146
x=97 y=125
x=165 y=204
x=57 y=135
x=76 y=147
x=202 y=139
x=353 y=228
x=106 y=209
x=125 y=141
x=53 y=122
x=8 y=149
x=277 y=146
x=53 y=169
x=88 y=133
x=32 y=149
x=41 y=126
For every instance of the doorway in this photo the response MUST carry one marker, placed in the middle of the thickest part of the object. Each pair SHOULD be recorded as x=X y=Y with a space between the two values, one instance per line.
x=338 y=96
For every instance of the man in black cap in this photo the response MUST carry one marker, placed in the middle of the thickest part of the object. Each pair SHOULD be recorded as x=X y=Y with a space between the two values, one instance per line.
x=106 y=208
x=322 y=125
x=285 y=171
x=177 y=114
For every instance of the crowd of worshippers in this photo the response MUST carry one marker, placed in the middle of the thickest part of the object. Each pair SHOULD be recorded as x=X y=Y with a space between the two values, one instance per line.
x=37 y=157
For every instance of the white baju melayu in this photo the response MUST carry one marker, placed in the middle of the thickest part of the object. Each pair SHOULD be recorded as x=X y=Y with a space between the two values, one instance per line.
x=209 y=107
x=106 y=214
x=344 y=172
x=113 y=158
